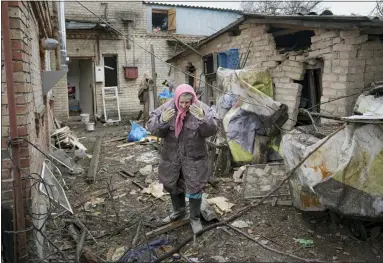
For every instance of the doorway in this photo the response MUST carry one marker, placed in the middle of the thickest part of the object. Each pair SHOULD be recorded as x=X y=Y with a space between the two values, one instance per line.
x=80 y=86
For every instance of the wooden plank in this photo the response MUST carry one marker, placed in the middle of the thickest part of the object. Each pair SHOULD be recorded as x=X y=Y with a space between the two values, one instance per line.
x=285 y=32
x=172 y=22
x=92 y=172
x=304 y=25
x=126 y=144
x=166 y=228
x=190 y=47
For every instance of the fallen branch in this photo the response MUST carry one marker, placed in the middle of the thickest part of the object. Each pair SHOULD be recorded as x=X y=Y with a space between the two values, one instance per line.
x=254 y=204
x=83 y=227
x=273 y=249
x=135 y=239
x=87 y=253
x=80 y=245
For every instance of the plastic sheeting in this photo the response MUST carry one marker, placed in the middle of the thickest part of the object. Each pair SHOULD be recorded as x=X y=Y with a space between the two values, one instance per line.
x=250 y=115
x=344 y=175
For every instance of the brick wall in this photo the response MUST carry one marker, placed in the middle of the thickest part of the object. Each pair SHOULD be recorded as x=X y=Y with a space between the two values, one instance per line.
x=84 y=44
x=351 y=61
x=32 y=110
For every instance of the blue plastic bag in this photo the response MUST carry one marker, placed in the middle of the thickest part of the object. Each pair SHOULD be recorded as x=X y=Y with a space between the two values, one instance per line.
x=137 y=133
x=165 y=94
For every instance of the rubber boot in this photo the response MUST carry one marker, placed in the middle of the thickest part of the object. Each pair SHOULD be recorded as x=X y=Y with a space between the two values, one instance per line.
x=195 y=214
x=179 y=208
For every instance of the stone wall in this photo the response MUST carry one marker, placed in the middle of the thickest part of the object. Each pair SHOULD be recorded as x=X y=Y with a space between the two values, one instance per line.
x=350 y=62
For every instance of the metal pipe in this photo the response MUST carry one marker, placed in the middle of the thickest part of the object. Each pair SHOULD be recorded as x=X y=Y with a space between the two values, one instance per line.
x=62 y=32
x=18 y=217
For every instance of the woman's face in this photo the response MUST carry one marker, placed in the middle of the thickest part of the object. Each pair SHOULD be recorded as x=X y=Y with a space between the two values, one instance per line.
x=184 y=102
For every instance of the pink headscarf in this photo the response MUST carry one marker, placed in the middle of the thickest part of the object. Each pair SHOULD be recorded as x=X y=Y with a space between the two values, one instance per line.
x=183 y=88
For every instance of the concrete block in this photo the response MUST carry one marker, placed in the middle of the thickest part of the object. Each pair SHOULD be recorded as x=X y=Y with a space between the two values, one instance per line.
x=330 y=77
x=270 y=64
x=295 y=76
x=298 y=70
x=347 y=54
x=366 y=54
x=343 y=47
x=300 y=58
x=349 y=33
x=325 y=50
x=357 y=40
x=340 y=69
x=336 y=40
x=278 y=58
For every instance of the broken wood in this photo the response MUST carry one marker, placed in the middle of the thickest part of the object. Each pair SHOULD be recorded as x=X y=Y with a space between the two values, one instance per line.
x=135 y=239
x=123 y=174
x=253 y=205
x=92 y=172
x=129 y=173
x=126 y=144
x=86 y=252
x=187 y=45
x=321 y=115
x=83 y=227
x=138 y=184
x=166 y=228
x=80 y=245
x=272 y=249
x=116 y=139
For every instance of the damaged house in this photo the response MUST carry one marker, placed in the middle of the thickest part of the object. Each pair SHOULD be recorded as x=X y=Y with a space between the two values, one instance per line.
x=106 y=67
x=311 y=59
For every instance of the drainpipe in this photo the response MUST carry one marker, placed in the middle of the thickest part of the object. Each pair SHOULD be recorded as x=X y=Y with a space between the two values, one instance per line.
x=62 y=31
x=18 y=216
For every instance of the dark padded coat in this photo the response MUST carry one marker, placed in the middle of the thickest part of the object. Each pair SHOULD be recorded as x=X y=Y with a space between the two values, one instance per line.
x=184 y=160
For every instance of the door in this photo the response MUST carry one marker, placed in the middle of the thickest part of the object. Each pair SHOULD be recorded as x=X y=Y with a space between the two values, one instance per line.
x=86 y=86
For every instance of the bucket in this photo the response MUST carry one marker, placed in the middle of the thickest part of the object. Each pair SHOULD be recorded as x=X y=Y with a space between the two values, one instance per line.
x=89 y=126
x=84 y=117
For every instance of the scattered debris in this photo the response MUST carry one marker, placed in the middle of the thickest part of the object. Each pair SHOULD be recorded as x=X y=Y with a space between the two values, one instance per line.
x=66 y=138
x=166 y=228
x=147 y=170
x=222 y=203
x=240 y=224
x=304 y=242
x=155 y=189
x=148 y=158
x=237 y=176
x=92 y=172
x=260 y=178
x=219 y=258
x=206 y=210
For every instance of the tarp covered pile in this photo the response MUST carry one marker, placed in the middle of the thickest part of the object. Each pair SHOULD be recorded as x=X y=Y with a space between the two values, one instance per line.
x=251 y=118
x=345 y=174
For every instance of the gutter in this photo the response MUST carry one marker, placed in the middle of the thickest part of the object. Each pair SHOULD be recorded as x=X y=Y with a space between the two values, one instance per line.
x=18 y=211
x=62 y=32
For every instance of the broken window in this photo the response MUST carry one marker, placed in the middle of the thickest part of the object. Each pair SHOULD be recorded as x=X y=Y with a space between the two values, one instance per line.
x=164 y=20
x=311 y=93
x=110 y=71
x=289 y=39
x=191 y=79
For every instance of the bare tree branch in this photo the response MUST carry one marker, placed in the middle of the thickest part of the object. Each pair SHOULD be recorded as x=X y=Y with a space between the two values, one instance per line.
x=280 y=7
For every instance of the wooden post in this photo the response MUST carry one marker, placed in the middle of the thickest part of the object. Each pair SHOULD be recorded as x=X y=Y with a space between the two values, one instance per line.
x=154 y=78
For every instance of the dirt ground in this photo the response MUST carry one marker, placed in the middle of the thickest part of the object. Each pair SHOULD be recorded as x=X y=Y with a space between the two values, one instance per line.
x=115 y=211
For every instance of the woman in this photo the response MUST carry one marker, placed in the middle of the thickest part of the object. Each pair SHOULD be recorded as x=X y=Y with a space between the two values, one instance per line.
x=184 y=123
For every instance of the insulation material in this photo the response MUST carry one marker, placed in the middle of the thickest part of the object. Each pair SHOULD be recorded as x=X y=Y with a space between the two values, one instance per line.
x=343 y=175
x=250 y=115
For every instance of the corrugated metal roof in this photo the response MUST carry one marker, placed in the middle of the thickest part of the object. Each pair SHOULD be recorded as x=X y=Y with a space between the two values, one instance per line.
x=193 y=6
